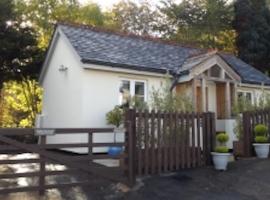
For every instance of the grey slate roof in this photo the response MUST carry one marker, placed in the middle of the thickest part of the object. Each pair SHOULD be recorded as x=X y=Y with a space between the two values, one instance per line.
x=248 y=73
x=115 y=50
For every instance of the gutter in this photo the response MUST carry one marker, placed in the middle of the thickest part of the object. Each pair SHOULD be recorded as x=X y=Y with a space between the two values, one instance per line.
x=176 y=78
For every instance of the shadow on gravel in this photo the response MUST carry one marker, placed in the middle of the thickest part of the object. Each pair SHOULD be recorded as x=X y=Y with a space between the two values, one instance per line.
x=245 y=180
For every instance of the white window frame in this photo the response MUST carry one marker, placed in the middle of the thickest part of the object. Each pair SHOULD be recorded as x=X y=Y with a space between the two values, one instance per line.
x=245 y=94
x=132 y=88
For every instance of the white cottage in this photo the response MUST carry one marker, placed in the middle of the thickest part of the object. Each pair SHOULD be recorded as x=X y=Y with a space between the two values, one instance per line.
x=85 y=68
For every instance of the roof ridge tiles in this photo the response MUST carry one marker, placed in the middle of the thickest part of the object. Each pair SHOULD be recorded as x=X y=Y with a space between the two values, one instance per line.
x=131 y=35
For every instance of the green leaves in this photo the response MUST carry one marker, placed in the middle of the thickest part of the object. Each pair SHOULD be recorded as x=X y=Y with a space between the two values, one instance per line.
x=20 y=103
x=206 y=23
x=44 y=14
x=135 y=18
x=115 y=116
x=166 y=100
x=19 y=54
x=222 y=138
x=252 y=24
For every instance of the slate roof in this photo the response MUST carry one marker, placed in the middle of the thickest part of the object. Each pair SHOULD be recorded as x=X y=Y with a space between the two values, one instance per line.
x=134 y=52
x=248 y=73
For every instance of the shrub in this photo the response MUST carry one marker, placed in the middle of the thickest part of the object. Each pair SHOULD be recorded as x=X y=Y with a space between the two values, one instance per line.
x=222 y=149
x=261 y=139
x=115 y=116
x=222 y=138
x=260 y=130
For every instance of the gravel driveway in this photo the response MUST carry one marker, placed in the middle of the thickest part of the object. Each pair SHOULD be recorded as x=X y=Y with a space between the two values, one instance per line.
x=247 y=179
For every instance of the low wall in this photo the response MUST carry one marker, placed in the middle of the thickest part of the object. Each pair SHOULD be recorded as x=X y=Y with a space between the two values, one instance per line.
x=227 y=125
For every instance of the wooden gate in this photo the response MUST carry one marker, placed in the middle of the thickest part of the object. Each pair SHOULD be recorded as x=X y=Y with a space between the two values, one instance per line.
x=162 y=142
x=76 y=163
x=155 y=142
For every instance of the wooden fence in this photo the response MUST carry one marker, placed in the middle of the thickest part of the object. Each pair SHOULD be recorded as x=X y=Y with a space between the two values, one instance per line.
x=76 y=163
x=155 y=142
x=163 y=142
x=250 y=120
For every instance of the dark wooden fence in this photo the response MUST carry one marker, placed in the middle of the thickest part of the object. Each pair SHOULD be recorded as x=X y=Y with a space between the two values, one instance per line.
x=164 y=142
x=250 y=120
x=76 y=163
x=155 y=142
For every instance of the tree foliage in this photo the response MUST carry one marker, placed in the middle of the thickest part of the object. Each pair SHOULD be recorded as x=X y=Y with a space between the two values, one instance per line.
x=20 y=103
x=19 y=54
x=252 y=24
x=44 y=14
x=207 y=23
x=140 y=19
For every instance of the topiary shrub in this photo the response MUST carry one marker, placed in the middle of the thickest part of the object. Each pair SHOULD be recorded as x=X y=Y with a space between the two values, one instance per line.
x=261 y=130
x=222 y=149
x=261 y=139
x=223 y=138
x=115 y=116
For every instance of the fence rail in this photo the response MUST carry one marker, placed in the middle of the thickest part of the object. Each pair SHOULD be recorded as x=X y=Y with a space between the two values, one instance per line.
x=9 y=144
x=155 y=142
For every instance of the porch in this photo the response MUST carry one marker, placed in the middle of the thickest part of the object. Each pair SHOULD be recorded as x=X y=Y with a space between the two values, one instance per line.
x=212 y=86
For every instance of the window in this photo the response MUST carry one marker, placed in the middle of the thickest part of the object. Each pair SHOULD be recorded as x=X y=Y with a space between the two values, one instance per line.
x=245 y=95
x=132 y=88
x=215 y=71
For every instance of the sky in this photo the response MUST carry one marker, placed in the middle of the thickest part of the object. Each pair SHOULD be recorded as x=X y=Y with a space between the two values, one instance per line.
x=107 y=4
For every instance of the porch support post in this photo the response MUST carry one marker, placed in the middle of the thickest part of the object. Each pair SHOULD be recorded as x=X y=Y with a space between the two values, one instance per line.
x=203 y=95
x=194 y=94
x=228 y=100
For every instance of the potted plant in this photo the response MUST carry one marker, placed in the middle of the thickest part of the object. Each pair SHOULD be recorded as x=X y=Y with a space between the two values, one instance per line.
x=261 y=144
x=221 y=154
x=115 y=117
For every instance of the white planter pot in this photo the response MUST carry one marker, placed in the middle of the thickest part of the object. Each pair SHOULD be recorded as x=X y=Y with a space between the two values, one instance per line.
x=262 y=149
x=220 y=160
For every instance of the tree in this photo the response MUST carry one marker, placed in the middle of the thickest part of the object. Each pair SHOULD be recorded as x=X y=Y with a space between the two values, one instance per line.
x=203 y=22
x=44 y=14
x=20 y=103
x=19 y=55
x=252 y=24
x=135 y=18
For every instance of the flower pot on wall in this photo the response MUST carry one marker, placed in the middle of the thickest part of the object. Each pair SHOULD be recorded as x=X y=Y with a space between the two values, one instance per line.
x=262 y=149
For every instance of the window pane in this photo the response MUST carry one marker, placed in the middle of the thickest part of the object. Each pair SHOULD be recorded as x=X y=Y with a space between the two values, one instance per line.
x=248 y=96
x=139 y=88
x=240 y=95
x=125 y=86
x=124 y=91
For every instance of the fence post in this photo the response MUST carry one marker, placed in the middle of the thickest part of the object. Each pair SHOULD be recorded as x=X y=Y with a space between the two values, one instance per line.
x=247 y=134
x=42 y=167
x=209 y=133
x=90 y=143
x=130 y=124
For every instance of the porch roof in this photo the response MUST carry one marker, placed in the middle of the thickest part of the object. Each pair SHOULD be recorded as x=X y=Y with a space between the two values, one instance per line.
x=133 y=52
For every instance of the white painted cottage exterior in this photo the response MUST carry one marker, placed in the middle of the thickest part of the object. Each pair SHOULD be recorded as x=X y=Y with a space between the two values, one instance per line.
x=79 y=91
